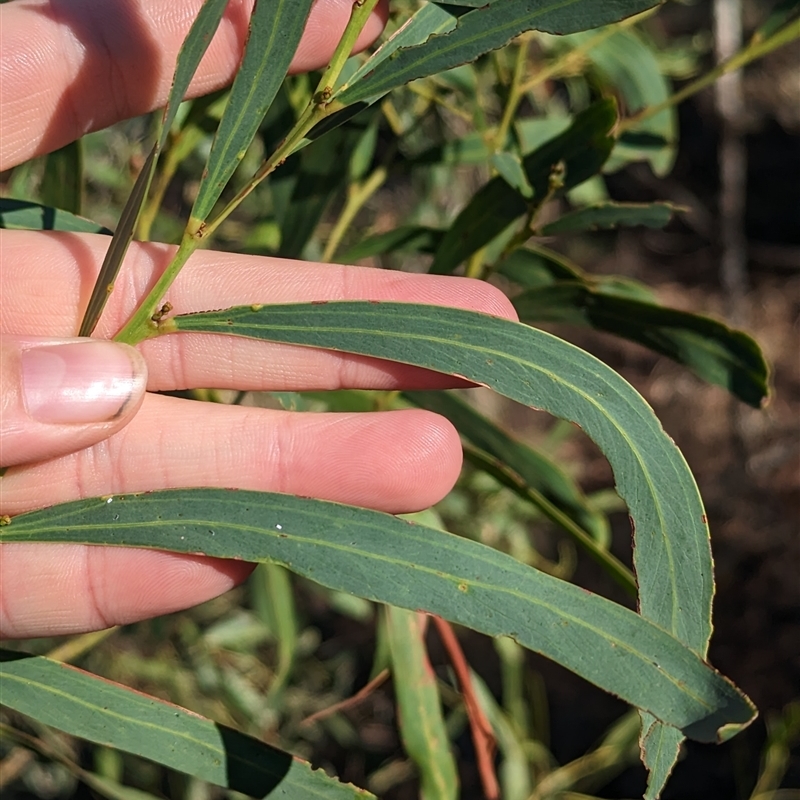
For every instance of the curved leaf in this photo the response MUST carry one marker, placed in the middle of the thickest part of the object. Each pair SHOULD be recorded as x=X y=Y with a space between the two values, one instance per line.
x=559 y=292
x=484 y=29
x=536 y=369
x=389 y=560
x=108 y=713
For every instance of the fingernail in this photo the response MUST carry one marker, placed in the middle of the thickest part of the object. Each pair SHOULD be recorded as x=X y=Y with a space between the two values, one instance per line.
x=80 y=382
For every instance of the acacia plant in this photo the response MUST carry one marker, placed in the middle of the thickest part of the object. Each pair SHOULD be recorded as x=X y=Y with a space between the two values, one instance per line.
x=293 y=146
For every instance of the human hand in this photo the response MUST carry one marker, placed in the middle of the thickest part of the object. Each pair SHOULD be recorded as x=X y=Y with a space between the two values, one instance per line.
x=78 y=65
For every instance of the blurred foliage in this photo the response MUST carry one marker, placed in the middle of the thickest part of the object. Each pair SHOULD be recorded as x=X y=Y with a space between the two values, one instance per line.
x=391 y=187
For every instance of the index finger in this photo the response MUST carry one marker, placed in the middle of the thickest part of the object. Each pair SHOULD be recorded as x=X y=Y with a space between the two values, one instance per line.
x=68 y=67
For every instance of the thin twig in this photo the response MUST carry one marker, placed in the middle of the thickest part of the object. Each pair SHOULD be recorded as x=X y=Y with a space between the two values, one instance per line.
x=482 y=733
x=349 y=702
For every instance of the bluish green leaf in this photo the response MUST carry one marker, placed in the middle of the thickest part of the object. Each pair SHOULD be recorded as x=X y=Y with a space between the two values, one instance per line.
x=533 y=368
x=107 y=713
x=191 y=53
x=26 y=216
x=477 y=32
x=275 y=30
x=720 y=355
x=660 y=747
x=730 y=358
x=118 y=246
x=389 y=560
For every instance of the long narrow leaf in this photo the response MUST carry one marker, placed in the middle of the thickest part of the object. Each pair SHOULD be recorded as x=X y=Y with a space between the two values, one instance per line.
x=191 y=53
x=431 y=19
x=536 y=369
x=484 y=29
x=120 y=241
x=107 y=713
x=275 y=30
x=604 y=216
x=192 y=50
x=419 y=705
x=389 y=560
x=559 y=292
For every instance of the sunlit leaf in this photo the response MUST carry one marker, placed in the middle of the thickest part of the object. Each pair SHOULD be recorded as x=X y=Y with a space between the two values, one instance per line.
x=477 y=32
x=386 y=559
x=720 y=355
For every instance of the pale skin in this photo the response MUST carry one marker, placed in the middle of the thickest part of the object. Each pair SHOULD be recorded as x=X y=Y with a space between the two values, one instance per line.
x=78 y=65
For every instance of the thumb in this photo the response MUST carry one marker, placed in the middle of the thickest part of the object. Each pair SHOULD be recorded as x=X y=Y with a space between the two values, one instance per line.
x=58 y=396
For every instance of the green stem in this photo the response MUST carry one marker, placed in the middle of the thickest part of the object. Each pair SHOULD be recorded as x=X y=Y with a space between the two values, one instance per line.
x=310 y=117
x=618 y=572
x=756 y=49
x=75 y=648
x=474 y=268
x=357 y=195
x=317 y=109
x=528 y=228
x=142 y=324
x=514 y=96
x=358 y=19
x=145 y=321
x=176 y=150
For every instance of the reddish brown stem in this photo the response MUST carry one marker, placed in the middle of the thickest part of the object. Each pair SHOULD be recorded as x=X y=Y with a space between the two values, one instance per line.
x=482 y=734
x=349 y=702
